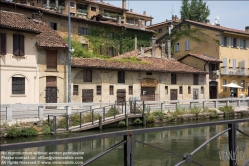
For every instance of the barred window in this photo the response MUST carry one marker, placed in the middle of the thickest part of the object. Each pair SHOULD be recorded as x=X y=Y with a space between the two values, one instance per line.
x=18 y=85
x=75 y=89
x=111 y=90
x=180 y=90
x=98 y=90
x=130 y=90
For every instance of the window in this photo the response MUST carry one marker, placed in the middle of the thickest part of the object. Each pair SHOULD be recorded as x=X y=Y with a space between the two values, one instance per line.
x=18 y=85
x=84 y=31
x=98 y=90
x=2 y=43
x=196 y=79
x=93 y=9
x=130 y=90
x=189 y=90
x=18 y=45
x=225 y=41
x=121 y=77
x=111 y=90
x=224 y=87
x=235 y=42
x=187 y=45
x=111 y=35
x=148 y=73
x=87 y=75
x=75 y=89
x=180 y=90
x=173 y=78
x=243 y=85
x=53 y=25
x=177 y=47
x=243 y=44
x=160 y=31
x=51 y=59
x=72 y=4
x=166 y=90
x=202 y=90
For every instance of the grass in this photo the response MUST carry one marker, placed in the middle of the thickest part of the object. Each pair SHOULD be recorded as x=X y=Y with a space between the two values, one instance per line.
x=227 y=109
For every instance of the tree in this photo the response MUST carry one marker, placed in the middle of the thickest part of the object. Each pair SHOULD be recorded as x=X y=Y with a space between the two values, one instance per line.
x=197 y=10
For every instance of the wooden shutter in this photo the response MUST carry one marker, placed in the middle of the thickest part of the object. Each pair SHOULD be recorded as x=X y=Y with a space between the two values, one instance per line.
x=16 y=45
x=51 y=59
x=3 y=43
x=51 y=81
x=21 y=45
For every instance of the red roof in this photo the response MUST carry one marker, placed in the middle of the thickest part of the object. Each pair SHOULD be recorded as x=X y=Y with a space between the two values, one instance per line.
x=203 y=57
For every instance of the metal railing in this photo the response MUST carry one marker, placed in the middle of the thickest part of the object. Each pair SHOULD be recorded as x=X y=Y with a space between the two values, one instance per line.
x=129 y=141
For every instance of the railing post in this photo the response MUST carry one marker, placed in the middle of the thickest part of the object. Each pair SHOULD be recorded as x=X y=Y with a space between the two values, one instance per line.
x=135 y=105
x=100 y=123
x=67 y=120
x=143 y=107
x=80 y=119
x=9 y=114
x=69 y=110
x=130 y=107
x=232 y=144
x=216 y=104
x=191 y=104
x=125 y=107
x=92 y=115
x=126 y=120
x=161 y=107
x=238 y=103
x=54 y=123
x=204 y=105
x=103 y=114
x=114 y=110
x=129 y=150
x=227 y=103
x=144 y=119
x=122 y=108
x=48 y=118
x=40 y=112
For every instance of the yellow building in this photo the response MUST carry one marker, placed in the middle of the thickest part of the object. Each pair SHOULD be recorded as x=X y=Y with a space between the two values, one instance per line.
x=147 y=74
x=229 y=46
x=24 y=44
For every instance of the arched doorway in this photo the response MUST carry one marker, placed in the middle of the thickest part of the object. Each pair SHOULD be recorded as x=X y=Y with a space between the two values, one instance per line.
x=213 y=89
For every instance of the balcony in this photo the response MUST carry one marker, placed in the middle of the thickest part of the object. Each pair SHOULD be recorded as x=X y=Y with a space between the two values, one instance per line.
x=234 y=72
x=82 y=13
x=112 y=16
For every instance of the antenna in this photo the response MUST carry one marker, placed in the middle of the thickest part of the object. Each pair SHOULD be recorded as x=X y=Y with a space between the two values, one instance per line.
x=172 y=11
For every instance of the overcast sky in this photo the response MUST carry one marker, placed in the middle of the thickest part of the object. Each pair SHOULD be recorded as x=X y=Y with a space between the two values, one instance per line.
x=232 y=14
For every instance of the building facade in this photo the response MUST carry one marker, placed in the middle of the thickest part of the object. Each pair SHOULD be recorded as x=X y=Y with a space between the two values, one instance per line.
x=229 y=46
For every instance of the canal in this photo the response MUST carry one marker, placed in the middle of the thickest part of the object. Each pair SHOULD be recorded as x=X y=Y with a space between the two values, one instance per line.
x=177 y=141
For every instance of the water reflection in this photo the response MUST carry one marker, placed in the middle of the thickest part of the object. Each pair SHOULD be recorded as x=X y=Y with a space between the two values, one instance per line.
x=178 y=141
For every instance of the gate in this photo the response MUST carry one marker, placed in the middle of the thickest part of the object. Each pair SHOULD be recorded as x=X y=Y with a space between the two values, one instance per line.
x=173 y=94
x=51 y=96
x=87 y=95
x=195 y=94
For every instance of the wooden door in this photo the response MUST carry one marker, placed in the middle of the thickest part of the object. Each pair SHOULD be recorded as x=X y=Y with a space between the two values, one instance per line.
x=213 y=90
x=121 y=95
x=87 y=95
x=148 y=93
x=51 y=89
x=173 y=94
x=195 y=93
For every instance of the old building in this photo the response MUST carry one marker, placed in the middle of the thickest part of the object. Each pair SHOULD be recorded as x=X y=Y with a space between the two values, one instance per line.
x=229 y=46
x=144 y=74
x=24 y=44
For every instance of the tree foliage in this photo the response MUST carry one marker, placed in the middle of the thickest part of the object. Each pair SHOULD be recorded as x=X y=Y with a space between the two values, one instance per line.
x=196 y=10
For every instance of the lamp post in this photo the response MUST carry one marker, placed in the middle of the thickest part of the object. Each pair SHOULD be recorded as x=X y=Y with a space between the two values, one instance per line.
x=69 y=54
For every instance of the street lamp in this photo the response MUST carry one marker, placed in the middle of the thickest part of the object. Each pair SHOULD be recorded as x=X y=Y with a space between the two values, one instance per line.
x=69 y=54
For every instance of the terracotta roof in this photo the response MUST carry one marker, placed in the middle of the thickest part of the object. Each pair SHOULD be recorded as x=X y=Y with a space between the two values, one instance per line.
x=150 y=64
x=138 y=14
x=17 y=21
x=217 y=27
x=48 y=37
x=203 y=57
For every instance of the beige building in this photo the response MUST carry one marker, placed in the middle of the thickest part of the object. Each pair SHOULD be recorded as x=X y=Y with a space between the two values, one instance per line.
x=144 y=74
x=23 y=45
x=229 y=46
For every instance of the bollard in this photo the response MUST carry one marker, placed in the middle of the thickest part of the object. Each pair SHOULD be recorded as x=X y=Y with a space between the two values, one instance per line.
x=100 y=122
x=40 y=112
x=216 y=104
x=103 y=113
x=9 y=114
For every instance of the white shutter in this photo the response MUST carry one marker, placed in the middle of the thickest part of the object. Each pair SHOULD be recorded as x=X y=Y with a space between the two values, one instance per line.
x=222 y=41
x=231 y=42
x=241 y=43
x=225 y=65
x=247 y=44
x=243 y=66
x=234 y=63
x=237 y=40
x=179 y=47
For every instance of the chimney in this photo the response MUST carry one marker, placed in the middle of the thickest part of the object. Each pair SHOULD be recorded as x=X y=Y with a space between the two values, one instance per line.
x=247 y=29
x=135 y=42
x=141 y=50
x=101 y=0
x=124 y=4
x=131 y=10
x=168 y=46
x=207 y=21
x=153 y=41
x=144 y=13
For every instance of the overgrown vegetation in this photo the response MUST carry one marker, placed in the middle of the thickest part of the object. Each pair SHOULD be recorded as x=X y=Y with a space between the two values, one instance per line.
x=111 y=111
x=159 y=114
x=121 y=123
x=227 y=109
x=137 y=121
x=14 y=132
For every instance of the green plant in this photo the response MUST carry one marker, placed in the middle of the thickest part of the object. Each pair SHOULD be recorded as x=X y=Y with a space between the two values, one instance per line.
x=159 y=114
x=150 y=118
x=13 y=132
x=28 y=132
x=46 y=128
x=195 y=110
x=213 y=113
x=137 y=121
x=227 y=109
x=121 y=123
x=110 y=112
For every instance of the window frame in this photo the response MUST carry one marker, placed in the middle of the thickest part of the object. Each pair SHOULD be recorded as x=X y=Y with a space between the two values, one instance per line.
x=202 y=89
x=76 y=90
x=51 y=59
x=111 y=90
x=195 y=79
x=189 y=89
x=53 y=25
x=121 y=76
x=87 y=75
x=82 y=31
x=18 y=45
x=180 y=90
x=177 y=49
x=3 y=43
x=19 y=84
x=130 y=90
x=224 y=83
x=173 y=79
x=94 y=9
x=187 y=45
x=98 y=90
x=72 y=6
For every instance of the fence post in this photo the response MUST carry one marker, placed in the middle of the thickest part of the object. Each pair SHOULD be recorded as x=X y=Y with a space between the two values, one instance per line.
x=40 y=112
x=216 y=104
x=227 y=103
x=103 y=113
x=129 y=150
x=232 y=144
x=204 y=105
x=144 y=119
x=54 y=123
x=238 y=103
x=143 y=107
x=135 y=103
x=161 y=107
x=80 y=119
x=92 y=115
x=125 y=107
x=100 y=122
x=48 y=118
x=126 y=120
x=69 y=110
x=122 y=108
x=9 y=114
x=67 y=119
x=114 y=110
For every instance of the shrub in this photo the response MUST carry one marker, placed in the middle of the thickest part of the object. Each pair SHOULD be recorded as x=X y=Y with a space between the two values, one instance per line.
x=29 y=132
x=227 y=109
x=110 y=112
x=121 y=123
x=137 y=121
x=74 y=120
x=159 y=114
x=150 y=118
x=46 y=128
x=13 y=132
x=195 y=110
x=213 y=113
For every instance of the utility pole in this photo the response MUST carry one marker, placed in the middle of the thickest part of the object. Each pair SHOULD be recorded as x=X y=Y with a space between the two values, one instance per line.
x=69 y=54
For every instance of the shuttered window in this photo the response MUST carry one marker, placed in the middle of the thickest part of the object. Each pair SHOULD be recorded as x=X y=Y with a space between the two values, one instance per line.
x=234 y=64
x=177 y=47
x=51 y=59
x=2 y=43
x=87 y=75
x=187 y=45
x=84 y=31
x=121 y=77
x=18 y=45
x=173 y=78
x=224 y=83
x=18 y=85
x=224 y=65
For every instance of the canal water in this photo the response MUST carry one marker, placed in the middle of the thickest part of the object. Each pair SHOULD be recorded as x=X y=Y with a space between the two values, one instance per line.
x=179 y=142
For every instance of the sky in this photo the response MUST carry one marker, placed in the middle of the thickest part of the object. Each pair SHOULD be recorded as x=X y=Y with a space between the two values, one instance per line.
x=232 y=14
